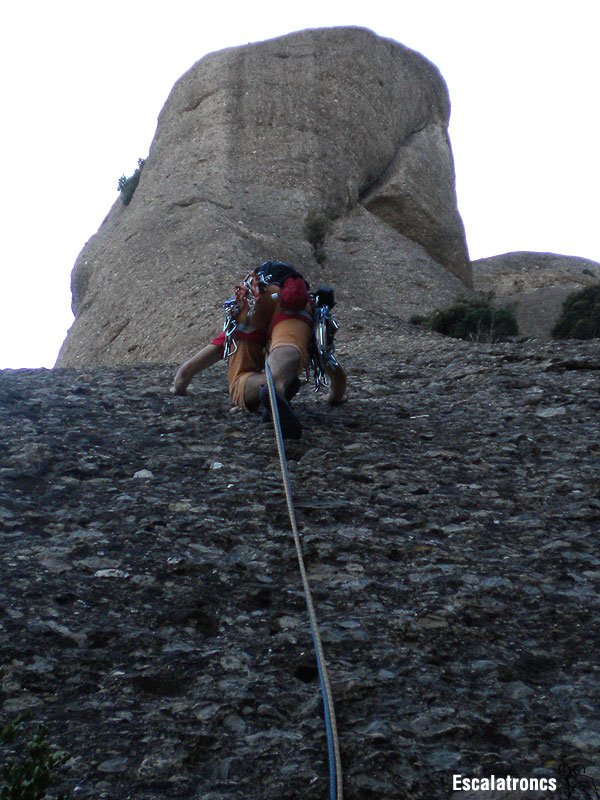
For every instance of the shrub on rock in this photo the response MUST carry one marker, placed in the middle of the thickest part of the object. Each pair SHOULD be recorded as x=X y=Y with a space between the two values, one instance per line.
x=27 y=773
x=580 y=317
x=316 y=227
x=127 y=186
x=473 y=318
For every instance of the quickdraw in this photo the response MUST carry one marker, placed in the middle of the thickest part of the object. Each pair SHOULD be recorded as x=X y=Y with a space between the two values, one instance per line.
x=229 y=327
x=246 y=294
x=323 y=343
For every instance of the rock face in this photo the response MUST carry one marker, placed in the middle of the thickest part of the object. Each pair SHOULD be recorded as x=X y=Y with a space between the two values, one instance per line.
x=337 y=122
x=151 y=611
x=537 y=284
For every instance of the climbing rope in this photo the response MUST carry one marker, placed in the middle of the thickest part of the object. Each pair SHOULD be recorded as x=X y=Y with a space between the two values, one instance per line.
x=333 y=745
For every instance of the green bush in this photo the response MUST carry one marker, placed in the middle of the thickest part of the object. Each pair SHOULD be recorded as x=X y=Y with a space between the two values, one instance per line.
x=29 y=768
x=316 y=227
x=127 y=186
x=580 y=316
x=473 y=318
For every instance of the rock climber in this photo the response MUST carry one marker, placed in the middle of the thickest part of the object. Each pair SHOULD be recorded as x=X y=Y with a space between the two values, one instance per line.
x=269 y=317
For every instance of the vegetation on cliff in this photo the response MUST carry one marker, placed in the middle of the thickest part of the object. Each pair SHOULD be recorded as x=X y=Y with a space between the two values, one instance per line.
x=474 y=318
x=580 y=317
x=127 y=186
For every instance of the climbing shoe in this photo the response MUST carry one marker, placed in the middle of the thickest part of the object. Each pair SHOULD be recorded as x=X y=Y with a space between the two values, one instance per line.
x=290 y=424
x=290 y=393
x=293 y=389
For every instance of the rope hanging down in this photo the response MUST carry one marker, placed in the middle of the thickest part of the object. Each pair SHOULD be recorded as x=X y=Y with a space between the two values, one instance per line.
x=333 y=745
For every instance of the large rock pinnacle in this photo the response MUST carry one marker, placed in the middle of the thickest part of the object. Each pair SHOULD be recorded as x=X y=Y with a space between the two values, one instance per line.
x=336 y=122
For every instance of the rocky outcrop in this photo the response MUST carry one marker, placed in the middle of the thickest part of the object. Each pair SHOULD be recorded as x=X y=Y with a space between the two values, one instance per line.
x=338 y=122
x=536 y=284
x=151 y=611
x=416 y=198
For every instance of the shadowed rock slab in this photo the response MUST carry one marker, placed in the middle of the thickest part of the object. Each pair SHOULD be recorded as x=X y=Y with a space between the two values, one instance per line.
x=151 y=608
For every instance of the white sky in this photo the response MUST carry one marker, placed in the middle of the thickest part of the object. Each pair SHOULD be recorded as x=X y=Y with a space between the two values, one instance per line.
x=83 y=84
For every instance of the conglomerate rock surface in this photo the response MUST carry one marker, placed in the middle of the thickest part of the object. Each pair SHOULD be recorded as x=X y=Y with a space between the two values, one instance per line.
x=337 y=125
x=151 y=611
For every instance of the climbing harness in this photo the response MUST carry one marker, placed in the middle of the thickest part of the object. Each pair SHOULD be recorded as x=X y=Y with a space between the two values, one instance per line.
x=333 y=747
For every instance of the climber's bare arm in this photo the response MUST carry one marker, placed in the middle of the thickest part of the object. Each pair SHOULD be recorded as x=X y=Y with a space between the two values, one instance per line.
x=337 y=387
x=205 y=358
